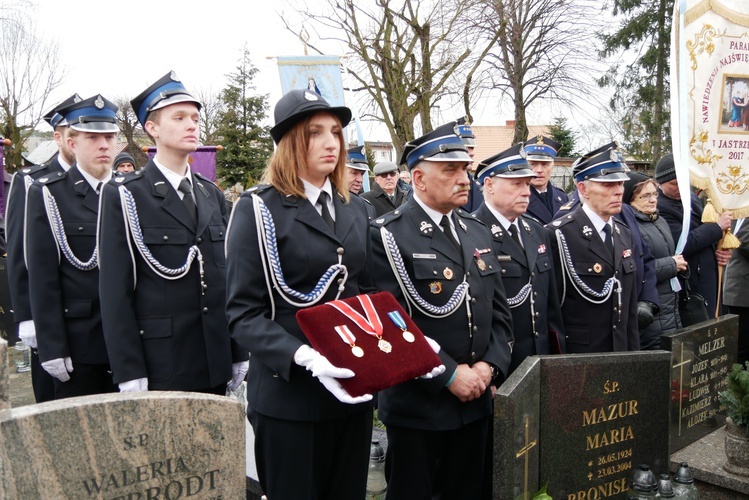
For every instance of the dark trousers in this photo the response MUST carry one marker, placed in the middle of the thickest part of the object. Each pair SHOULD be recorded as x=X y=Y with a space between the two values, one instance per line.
x=42 y=382
x=743 y=313
x=424 y=465
x=85 y=380
x=325 y=460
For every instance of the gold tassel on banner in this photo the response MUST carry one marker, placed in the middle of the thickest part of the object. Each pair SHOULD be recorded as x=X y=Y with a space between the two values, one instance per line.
x=729 y=241
x=708 y=213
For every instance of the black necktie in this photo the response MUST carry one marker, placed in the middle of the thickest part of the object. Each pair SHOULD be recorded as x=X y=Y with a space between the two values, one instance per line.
x=186 y=188
x=445 y=225
x=608 y=241
x=325 y=212
x=513 y=230
x=98 y=187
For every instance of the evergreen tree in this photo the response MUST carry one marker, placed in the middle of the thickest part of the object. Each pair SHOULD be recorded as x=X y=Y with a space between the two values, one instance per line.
x=563 y=135
x=641 y=89
x=247 y=144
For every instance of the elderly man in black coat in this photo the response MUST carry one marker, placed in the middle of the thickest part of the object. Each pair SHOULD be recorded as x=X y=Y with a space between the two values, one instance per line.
x=524 y=252
x=700 y=249
x=385 y=195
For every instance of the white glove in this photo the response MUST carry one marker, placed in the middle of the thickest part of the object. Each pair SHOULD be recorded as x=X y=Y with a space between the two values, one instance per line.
x=433 y=344
x=59 y=368
x=238 y=372
x=439 y=370
x=136 y=385
x=327 y=374
x=27 y=333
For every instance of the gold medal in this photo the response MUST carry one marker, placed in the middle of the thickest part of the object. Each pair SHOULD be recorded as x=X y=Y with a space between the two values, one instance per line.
x=435 y=287
x=384 y=345
x=408 y=336
x=482 y=265
x=357 y=351
x=447 y=273
x=597 y=267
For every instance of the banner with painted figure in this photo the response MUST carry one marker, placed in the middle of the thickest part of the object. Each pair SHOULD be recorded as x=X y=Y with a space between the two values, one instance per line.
x=321 y=74
x=710 y=100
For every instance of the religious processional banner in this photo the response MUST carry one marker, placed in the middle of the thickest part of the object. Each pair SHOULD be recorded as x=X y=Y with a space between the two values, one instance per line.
x=321 y=74
x=710 y=100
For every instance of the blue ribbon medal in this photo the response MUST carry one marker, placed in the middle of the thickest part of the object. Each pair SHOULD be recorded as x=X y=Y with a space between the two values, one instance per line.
x=395 y=317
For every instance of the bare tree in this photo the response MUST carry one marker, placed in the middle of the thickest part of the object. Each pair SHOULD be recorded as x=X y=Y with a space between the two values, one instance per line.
x=131 y=129
x=29 y=71
x=209 y=116
x=541 y=50
x=405 y=55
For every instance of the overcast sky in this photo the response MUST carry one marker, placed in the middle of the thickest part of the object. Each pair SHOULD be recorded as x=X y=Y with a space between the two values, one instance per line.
x=118 y=48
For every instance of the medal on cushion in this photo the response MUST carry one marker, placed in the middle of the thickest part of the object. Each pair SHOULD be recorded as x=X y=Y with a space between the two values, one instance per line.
x=371 y=325
x=395 y=317
x=348 y=337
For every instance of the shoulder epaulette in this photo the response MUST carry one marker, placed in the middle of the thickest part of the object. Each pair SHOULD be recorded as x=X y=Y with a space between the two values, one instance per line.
x=532 y=219
x=561 y=221
x=204 y=178
x=50 y=178
x=128 y=177
x=384 y=220
x=32 y=169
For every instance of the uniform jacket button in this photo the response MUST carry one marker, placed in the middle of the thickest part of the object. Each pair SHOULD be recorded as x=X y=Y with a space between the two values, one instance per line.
x=200 y=239
x=166 y=238
x=205 y=310
x=141 y=332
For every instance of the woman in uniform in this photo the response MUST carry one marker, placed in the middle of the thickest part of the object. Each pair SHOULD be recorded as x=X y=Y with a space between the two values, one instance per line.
x=297 y=240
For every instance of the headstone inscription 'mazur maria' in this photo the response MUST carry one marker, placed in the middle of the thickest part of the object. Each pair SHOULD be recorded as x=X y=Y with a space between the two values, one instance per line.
x=144 y=446
x=701 y=357
x=594 y=418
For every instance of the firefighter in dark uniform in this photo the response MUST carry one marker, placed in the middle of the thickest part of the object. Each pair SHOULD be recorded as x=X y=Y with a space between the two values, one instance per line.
x=18 y=277
x=596 y=269
x=312 y=438
x=546 y=198
x=62 y=210
x=163 y=280
x=523 y=248
x=356 y=168
x=647 y=292
x=465 y=132
x=438 y=261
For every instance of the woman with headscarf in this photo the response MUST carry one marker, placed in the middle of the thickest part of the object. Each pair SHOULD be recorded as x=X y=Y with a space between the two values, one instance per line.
x=641 y=193
x=297 y=240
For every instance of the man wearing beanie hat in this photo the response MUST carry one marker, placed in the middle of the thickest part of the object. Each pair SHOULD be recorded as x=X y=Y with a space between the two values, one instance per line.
x=15 y=215
x=163 y=276
x=700 y=249
x=123 y=163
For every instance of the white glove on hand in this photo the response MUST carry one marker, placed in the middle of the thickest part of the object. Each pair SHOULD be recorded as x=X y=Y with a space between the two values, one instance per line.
x=439 y=370
x=27 y=333
x=327 y=374
x=59 y=368
x=238 y=372
x=136 y=385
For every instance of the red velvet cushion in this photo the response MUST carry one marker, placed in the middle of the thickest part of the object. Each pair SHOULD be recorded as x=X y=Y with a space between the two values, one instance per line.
x=376 y=370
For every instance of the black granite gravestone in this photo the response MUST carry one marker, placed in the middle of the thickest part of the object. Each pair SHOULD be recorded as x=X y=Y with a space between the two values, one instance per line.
x=701 y=357
x=516 y=447
x=581 y=424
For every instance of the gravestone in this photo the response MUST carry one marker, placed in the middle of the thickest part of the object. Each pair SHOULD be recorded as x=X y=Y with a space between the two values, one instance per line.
x=4 y=381
x=138 y=446
x=581 y=423
x=701 y=357
x=516 y=448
